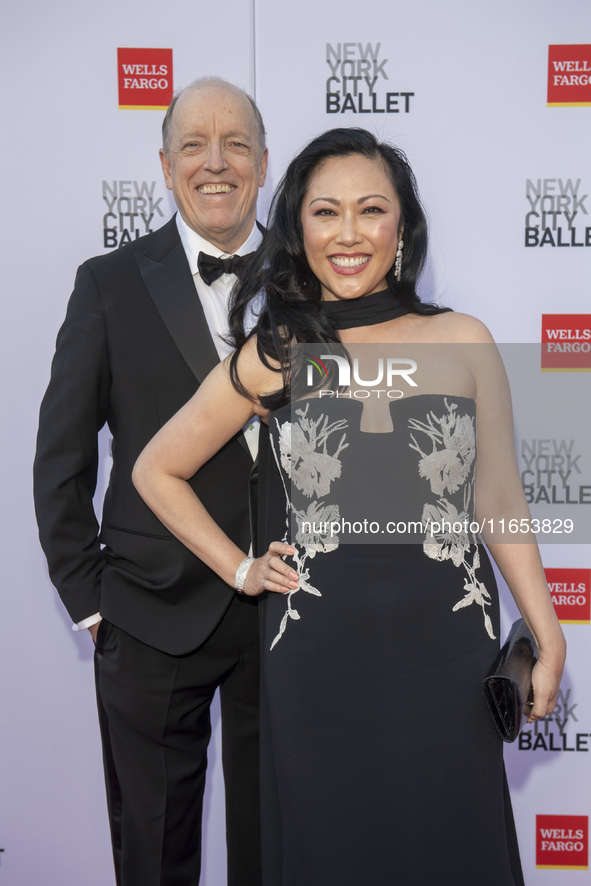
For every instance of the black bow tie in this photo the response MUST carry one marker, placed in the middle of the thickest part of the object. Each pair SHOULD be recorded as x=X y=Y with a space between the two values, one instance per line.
x=212 y=268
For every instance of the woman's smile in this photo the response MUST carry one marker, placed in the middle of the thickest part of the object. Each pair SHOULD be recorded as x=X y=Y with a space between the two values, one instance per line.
x=348 y=264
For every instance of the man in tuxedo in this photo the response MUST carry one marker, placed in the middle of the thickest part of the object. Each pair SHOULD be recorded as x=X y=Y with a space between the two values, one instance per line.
x=142 y=331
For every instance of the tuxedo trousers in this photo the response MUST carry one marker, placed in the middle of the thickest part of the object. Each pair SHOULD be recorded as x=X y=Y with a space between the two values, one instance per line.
x=154 y=712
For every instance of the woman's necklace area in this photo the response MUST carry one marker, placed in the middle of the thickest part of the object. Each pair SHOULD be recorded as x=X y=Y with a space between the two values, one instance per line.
x=368 y=310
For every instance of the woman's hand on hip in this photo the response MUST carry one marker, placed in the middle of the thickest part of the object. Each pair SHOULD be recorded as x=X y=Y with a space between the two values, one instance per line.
x=271 y=573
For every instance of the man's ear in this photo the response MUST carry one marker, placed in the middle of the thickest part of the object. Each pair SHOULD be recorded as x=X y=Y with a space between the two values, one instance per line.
x=264 y=160
x=165 y=162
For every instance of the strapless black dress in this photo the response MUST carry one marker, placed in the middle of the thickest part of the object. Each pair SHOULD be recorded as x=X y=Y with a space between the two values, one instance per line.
x=380 y=765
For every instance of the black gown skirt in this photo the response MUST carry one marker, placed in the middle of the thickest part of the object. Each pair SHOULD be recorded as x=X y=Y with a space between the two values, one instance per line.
x=380 y=764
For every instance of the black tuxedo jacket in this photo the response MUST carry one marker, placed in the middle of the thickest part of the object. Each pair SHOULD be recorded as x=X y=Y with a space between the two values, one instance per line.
x=133 y=349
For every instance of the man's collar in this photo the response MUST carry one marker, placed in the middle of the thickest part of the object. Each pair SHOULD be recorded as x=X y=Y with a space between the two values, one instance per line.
x=193 y=244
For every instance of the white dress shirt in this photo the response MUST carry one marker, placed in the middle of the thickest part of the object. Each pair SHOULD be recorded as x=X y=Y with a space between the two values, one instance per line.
x=214 y=300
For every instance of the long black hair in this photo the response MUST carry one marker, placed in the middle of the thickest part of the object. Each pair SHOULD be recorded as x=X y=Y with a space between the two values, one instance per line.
x=279 y=269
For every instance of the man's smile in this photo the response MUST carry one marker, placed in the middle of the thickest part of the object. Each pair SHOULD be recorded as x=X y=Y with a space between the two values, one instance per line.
x=216 y=189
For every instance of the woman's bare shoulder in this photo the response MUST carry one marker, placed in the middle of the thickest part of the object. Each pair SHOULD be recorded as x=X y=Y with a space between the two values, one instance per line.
x=454 y=327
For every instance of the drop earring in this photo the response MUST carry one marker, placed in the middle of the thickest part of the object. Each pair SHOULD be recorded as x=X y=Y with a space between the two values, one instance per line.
x=398 y=261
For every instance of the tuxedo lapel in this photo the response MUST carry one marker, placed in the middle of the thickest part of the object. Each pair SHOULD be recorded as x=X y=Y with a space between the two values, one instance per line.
x=171 y=287
x=173 y=292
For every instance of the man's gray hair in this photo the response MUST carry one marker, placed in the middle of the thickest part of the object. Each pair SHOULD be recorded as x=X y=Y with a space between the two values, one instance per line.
x=205 y=83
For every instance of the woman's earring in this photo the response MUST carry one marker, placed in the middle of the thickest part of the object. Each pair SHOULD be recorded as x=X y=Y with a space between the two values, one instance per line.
x=398 y=261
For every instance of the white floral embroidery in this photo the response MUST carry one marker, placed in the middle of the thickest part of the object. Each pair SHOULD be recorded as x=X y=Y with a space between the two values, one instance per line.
x=317 y=539
x=449 y=544
x=447 y=470
x=311 y=472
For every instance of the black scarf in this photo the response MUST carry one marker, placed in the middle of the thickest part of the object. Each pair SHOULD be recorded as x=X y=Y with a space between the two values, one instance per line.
x=367 y=310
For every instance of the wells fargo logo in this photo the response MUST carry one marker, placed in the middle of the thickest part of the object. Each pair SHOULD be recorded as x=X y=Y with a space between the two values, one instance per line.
x=562 y=842
x=145 y=79
x=569 y=76
x=570 y=592
x=566 y=342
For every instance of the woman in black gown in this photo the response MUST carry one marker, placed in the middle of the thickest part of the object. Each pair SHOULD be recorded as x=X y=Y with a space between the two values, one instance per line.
x=379 y=762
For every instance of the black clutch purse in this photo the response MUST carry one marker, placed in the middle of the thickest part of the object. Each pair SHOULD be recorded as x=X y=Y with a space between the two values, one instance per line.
x=508 y=687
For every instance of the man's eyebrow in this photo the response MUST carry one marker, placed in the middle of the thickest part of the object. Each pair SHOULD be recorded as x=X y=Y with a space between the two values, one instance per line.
x=197 y=134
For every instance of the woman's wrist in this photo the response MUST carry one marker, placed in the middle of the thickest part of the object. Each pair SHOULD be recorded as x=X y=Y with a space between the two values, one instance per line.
x=553 y=654
x=552 y=647
x=241 y=573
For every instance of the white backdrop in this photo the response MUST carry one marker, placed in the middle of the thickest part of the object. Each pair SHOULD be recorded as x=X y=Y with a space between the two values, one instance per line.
x=477 y=128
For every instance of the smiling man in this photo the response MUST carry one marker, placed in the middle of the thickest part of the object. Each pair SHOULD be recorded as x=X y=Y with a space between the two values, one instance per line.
x=144 y=327
x=214 y=161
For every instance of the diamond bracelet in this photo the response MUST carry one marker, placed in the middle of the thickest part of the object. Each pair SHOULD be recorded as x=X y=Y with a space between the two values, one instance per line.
x=241 y=574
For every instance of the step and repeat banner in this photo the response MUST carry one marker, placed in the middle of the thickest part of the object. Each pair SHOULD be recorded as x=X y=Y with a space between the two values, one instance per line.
x=493 y=108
